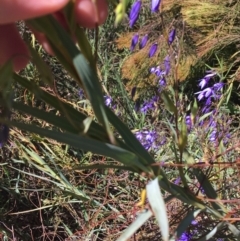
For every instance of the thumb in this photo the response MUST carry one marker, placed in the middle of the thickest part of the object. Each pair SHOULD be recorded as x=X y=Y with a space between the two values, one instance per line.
x=14 y=10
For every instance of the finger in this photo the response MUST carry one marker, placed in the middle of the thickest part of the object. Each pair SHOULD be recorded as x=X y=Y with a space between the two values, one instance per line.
x=90 y=13
x=14 y=10
x=12 y=47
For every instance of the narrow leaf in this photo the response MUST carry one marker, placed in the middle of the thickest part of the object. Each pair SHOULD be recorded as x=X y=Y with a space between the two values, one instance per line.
x=157 y=204
x=208 y=189
x=234 y=230
x=85 y=143
x=42 y=67
x=218 y=227
x=168 y=103
x=140 y=220
x=6 y=72
x=186 y=221
x=93 y=90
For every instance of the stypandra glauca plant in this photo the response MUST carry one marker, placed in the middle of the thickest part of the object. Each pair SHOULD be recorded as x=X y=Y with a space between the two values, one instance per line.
x=106 y=135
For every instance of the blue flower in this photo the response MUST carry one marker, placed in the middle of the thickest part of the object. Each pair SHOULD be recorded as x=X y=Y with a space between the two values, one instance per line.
x=108 y=100
x=155 y=5
x=149 y=139
x=159 y=72
x=143 y=42
x=194 y=222
x=152 y=50
x=149 y=105
x=81 y=93
x=167 y=64
x=152 y=70
x=218 y=86
x=204 y=81
x=177 y=181
x=188 y=121
x=208 y=92
x=134 y=13
x=185 y=237
x=162 y=82
x=134 y=41
x=171 y=36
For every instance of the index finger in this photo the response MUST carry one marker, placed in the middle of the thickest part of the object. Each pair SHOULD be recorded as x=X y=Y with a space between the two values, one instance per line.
x=14 y=10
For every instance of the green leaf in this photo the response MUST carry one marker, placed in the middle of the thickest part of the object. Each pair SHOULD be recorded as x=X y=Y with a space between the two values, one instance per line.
x=133 y=227
x=85 y=143
x=79 y=32
x=168 y=103
x=130 y=139
x=186 y=221
x=158 y=207
x=42 y=67
x=194 y=111
x=234 y=230
x=208 y=189
x=6 y=72
x=101 y=166
x=205 y=116
x=182 y=138
x=64 y=47
x=57 y=121
x=93 y=91
x=73 y=116
x=218 y=227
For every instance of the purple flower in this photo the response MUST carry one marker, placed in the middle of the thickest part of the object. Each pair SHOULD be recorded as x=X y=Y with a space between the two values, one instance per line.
x=81 y=93
x=155 y=5
x=134 y=42
x=139 y=135
x=218 y=86
x=204 y=81
x=108 y=100
x=152 y=50
x=152 y=70
x=162 y=82
x=149 y=139
x=149 y=105
x=171 y=36
x=177 y=181
x=194 y=222
x=188 y=121
x=167 y=64
x=202 y=190
x=134 y=13
x=159 y=72
x=143 y=42
x=185 y=237
x=208 y=92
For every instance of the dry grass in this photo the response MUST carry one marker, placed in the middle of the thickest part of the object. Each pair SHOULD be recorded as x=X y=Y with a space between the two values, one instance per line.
x=210 y=27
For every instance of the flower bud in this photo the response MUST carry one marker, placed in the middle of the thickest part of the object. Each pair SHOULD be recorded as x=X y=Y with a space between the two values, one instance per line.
x=152 y=50
x=134 y=13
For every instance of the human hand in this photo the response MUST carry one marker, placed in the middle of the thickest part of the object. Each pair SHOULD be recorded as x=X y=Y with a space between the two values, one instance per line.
x=12 y=46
